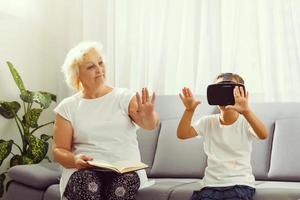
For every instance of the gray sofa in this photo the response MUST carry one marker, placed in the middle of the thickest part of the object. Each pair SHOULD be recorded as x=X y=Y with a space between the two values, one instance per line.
x=177 y=166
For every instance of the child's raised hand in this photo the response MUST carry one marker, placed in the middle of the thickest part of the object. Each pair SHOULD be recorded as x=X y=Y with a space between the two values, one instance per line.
x=188 y=99
x=241 y=100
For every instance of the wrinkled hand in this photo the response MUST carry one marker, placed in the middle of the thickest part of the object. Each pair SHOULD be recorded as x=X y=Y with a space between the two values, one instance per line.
x=145 y=104
x=81 y=162
x=188 y=99
x=241 y=100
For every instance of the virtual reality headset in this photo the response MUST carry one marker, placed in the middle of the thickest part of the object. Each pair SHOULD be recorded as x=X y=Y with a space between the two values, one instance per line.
x=222 y=93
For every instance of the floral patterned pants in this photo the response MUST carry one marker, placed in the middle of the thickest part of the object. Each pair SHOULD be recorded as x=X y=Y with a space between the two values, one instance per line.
x=101 y=185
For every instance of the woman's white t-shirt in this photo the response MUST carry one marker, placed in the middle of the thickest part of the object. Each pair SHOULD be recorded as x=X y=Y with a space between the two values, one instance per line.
x=228 y=149
x=102 y=129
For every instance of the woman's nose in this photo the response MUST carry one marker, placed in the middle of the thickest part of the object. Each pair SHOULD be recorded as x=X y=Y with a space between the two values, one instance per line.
x=98 y=68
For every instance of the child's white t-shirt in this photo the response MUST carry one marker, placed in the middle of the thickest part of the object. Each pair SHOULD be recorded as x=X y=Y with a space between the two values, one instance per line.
x=228 y=149
x=102 y=129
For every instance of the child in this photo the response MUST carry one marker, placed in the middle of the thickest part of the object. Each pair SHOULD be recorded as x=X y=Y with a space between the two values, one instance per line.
x=227 y=143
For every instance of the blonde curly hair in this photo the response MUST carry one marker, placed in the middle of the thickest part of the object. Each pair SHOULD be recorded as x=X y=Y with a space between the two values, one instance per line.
x=74 y=59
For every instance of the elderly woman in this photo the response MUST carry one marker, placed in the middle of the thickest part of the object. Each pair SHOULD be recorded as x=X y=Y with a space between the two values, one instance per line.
x=98 y=122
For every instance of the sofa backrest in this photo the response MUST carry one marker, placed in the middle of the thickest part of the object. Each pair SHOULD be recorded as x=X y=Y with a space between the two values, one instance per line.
x=169 y=156
x=166 y=155
x=262 y=149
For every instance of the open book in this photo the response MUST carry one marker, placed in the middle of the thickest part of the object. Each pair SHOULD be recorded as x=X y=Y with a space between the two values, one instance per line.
x=119 y=166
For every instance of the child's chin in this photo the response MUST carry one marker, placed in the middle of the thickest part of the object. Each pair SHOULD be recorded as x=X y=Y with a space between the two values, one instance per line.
x=223 y=108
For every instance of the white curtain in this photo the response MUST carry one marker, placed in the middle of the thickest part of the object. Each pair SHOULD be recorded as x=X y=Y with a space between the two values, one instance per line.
x=169 y=44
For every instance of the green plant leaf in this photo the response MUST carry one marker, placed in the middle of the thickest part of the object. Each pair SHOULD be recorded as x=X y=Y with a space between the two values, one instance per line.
x=46 y=137
x=26 y=128
x=32 y=116
x=9 y=109
x=37 y=149
x=17 y=77
x=2 y=179
x=27 y=96
x=5 y=149
x=20 y=160
x=53 y=96
x=15 y=160
x=43 y=99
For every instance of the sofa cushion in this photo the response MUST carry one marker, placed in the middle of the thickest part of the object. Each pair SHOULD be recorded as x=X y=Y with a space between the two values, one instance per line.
x=39 y=176
x=261 y=152
x=52 y=193
x=265 y=190
x=19 y=191
x=162 y=188
x=175 y=157
x=268 y=113
x=261 y=149
x=184 y=192
x=147 y=144
x=277 y=190
x=285 y=156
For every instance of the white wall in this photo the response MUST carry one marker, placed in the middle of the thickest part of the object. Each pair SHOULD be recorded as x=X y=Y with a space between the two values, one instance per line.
x=87 y=21
x=35 y=36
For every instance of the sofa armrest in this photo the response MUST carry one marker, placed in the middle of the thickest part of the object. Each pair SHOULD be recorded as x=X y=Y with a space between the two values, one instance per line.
x=39 y=176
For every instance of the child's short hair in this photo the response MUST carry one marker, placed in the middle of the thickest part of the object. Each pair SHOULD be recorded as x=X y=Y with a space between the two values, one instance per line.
x=230 y=76
x=74 y=59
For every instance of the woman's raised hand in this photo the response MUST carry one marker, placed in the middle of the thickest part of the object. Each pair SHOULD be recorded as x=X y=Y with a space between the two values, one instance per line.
x=145 y=103
x=188 y=99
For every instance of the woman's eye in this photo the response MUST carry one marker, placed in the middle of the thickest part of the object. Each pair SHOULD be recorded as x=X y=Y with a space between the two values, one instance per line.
x=91 y=67
x=101 y=63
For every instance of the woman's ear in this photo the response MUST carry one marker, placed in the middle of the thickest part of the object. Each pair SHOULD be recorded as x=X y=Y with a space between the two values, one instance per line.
x=78 y=84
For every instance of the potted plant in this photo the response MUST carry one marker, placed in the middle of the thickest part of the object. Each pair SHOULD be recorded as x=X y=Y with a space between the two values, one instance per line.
x=32 y=149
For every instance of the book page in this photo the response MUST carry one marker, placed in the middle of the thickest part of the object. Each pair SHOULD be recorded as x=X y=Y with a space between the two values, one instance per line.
x=119 y=166
x=128 y=164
